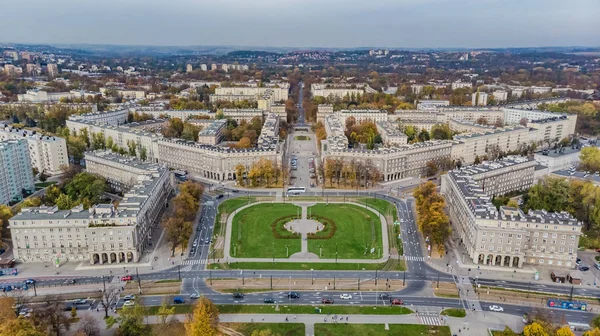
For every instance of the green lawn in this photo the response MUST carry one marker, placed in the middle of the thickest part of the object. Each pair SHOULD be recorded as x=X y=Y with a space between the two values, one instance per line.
x=386 y=208
x=297 y=309
x=357 y=228
x=251 y=235
x=324 y=329
x=44 y=184
x=283 y=329
x=303 y=266
x=454 y=312
x=301 y=137
x=228 y=207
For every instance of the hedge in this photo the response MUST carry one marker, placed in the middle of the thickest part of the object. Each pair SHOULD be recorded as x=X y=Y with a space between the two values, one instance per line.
x=279 y=232
x=328 y=230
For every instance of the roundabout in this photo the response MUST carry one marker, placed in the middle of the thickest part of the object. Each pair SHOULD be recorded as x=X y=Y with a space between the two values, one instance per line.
x=312 y=232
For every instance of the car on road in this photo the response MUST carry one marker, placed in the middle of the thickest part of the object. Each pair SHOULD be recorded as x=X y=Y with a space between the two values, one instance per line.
x=69 y=282
x=219 y=196
x=207 y=241
x=235 y=191
x=396 y=302
x=194 y=296
x=128 y=303
x=327 y=301
x=385 y=296
x=578 y=261
x=129 y=297
x=80 y=301
x=25 y=312
x=293 y=295
x=126 y=278
x=345 y=296
x=195 y=243
x=584 y=268
x=30 y=281
x=238 y=295
x=269 y=300
x=178 y=300
x=496 y=308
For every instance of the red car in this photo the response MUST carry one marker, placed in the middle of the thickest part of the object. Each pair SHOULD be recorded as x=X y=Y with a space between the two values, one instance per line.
x=397 y=302
x=126 y=278
x=326 y=301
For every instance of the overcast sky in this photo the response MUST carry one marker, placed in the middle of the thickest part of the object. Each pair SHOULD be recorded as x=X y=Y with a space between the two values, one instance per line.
x=305 y=23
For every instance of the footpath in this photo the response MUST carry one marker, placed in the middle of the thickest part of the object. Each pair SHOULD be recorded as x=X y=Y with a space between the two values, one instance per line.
x=475 y=324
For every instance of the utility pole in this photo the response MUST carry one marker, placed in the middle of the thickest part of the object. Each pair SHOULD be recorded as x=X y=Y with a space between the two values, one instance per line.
x=34 y=290
x=358 y=282
x=403 y=278
x=271 y=282
x=137 y=275
x=438 y=284
x=571 y=295
x=336 y=253
x=375 y=277
x=243 y=282
x=179 y=271
x=210 y=276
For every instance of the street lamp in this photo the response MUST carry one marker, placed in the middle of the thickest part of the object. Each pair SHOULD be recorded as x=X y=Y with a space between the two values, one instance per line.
x=287 y=251
x=336 y=256
x=273 y=244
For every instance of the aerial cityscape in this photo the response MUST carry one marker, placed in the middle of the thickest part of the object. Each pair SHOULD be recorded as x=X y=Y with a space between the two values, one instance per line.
x=367 y=169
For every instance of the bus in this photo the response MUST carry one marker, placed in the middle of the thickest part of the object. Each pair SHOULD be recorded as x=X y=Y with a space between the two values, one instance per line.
x=294 y=191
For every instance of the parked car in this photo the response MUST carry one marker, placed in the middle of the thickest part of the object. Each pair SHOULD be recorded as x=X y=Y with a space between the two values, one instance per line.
x=237 y=295
x=129 y=297
x=578 y=261
x=126 y=278
x=269 y=300
x=327 y=301
x=128 y=303
x=345 y=296
x=385 y=296
x=293 y=295
x=219 y=196
x=496 y=308
x=30 y=281
x=584 y=268
x=69 y=282
x=397 y=302
x=178 y=300
x=80 y=301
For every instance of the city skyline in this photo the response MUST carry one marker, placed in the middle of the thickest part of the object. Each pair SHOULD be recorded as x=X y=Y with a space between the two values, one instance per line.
x=308 y=23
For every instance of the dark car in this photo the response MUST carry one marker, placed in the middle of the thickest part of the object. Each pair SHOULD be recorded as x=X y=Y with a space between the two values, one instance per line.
x=584 y=268
x=238 y=295
x=385 y=296
x=69 y=282
x=235 y=190
x=220 y=196
x=178 y=300
x=397 y=302
x=327 y=301
x=293 y=295
x=269 y=300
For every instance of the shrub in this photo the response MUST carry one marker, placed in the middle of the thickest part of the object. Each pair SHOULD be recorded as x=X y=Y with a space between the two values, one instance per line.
x=279 y=232
x=328 y=230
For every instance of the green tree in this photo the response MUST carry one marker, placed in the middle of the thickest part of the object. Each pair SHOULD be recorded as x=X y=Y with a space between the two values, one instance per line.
x=64 y=202
x=73 y=312
x=52 y=193
x=590 y=158
x=86 y=188
x=131 y=321
x=441 y=132
x=76 y=146
x=32 y=202
x=190 y=132
x=164 y=311
x=143 y=154
x=204 y=320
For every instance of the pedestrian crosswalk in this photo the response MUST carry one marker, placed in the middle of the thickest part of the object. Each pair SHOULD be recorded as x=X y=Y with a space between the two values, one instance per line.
x=194 y=262
x=432 y=320
x=413 y=258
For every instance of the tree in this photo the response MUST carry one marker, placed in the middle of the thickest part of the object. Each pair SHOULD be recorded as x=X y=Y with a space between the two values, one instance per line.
x=481 y=121
x=131 y=321
x=107 y=297
x=32 y=202
x=131 y=146
x=173 y=227
x=523 y=121
x=596 y=322
x=76 y=146
x=64 y=202
x=590 y=158
x=512 y=203
x=564 y=331
x=506 y=332
x=52 y=317
x=73 y=312
x=432 y=168
x=86 y=188
x=165 y=311
x=593 y=332
x=240 y=170
x=423 y=135
x=534 y=329
x=192 y=188
x=204 y=320
x=441 y=132
x=244 y=143
x=52 y=193
x=5 y=214
x=190 y=132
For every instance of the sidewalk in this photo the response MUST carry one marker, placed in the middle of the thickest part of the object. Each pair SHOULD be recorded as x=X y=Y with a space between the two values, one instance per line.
x=474 y=324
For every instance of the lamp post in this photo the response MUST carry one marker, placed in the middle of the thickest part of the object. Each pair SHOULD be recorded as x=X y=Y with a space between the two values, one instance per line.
x=336 y=251
x=287 y=251
x=273 y=244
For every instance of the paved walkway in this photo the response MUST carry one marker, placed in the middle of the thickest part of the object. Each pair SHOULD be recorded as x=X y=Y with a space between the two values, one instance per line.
x=475 y=324
x=384 y=235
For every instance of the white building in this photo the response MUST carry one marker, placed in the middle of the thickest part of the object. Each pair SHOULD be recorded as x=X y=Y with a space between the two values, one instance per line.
x=212 y=133
x=500 y=96
x=479 y=99
x=116 y=117
x=15 y=171
x=561 y=159
x=459 y=85
x=46 y=153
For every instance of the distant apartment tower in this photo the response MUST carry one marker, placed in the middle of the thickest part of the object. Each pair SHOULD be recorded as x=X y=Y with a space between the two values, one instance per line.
x=213 y=67
x=203 y=67
x=52 y=69
x=189 y=68
x=225 y=67
x=500 y=95
x=16 y=174
x=479 y=99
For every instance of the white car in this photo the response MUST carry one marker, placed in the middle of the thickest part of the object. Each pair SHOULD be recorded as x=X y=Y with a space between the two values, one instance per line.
x=129 y=297
x=346 y=296
x=194 y=296
x=128 y=303
x=496 y=308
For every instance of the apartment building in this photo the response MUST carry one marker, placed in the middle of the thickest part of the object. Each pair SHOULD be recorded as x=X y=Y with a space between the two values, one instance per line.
x=211 y=162
x=269 y=134
x=507 y=237
x=363 y=115
x=390 y=134
x=471 y=145
x=46 y=153
x=115 y=118
x=212 y=133
x=551 y=130
x=492 y=115
x=15 y=170
x=101 y=234
x=432 y=104
x=123 y=93
x=460 y=85
x=339 y=91
x=162 y=113
x=479 y=99
x=242 y=114
x=457 y=125
x=52 y=69
x=279 y=91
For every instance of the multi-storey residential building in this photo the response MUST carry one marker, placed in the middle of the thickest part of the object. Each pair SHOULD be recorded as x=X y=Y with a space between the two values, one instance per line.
x=468 y=146
x=103 y=233
x=117 y=117
x=479 y=99
x=212 y=133
x=15 y=171
x=124 y=93
x=559 y=159
x=508 y=236
x=189 y=68
x=122 y=136
x=278 y=91
x=432 y=104
x=269 y=134
x=181 y=114
x=242 y=114
x=47 y=153
x=552 y=130
x=500 y=96
x=211 y=162
x=363 y=115
x=459 y=84
x=52 y=69
x=492 y=115
x=468 y=126
x=390 y=134
x=121 y=172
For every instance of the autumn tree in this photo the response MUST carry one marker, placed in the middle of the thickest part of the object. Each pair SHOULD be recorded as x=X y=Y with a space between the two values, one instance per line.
x=534 y=329
x=431 y=218
x=564 y=331
x=131 y=321
x=88 y=326
x=441 y=132
x=52 y=317
x=204 y=320
x=164 y=312
x=590 y=158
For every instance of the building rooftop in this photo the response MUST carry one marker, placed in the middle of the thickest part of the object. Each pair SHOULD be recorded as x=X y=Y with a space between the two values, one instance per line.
x=28 y=133
x=213 y=128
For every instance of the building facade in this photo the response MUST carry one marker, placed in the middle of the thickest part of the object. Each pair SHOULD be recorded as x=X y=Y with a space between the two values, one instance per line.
x=15 y=171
